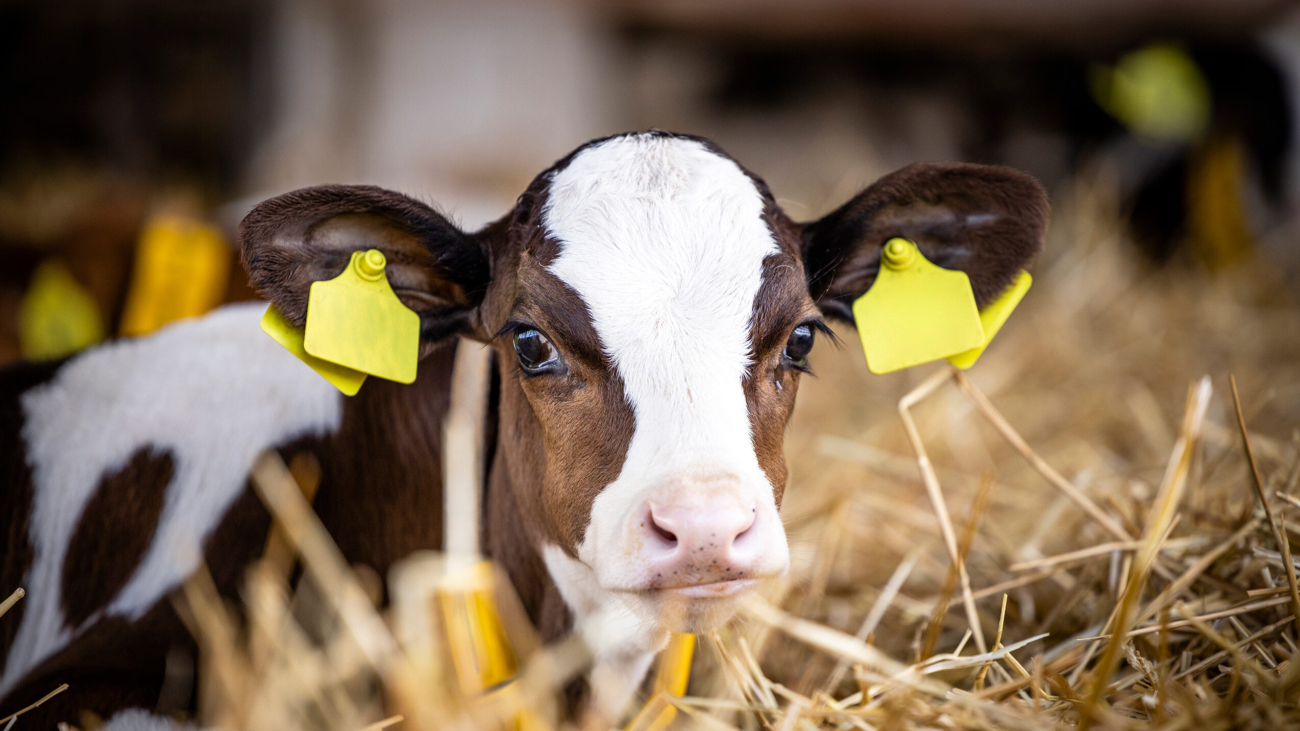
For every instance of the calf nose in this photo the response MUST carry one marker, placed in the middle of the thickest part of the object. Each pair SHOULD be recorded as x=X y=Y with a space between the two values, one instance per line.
x=700 y=543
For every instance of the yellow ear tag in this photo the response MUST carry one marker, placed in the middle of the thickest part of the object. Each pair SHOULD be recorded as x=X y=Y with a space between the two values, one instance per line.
x=58 y=316
x=480 y=650
x=671 y=679
x=915 y=312
x=993 y=317
x=674 y=671
x=344 y=379
x=182 y=269
x=355 y=320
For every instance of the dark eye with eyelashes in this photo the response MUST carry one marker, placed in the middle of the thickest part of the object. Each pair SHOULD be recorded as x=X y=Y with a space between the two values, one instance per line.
x=798 y=347
x=536 y=354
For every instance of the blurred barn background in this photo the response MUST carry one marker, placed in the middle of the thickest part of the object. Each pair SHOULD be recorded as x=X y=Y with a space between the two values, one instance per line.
x=128 y=126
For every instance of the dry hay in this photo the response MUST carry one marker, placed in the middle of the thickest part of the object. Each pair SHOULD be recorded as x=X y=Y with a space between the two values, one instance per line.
x=1116 y=552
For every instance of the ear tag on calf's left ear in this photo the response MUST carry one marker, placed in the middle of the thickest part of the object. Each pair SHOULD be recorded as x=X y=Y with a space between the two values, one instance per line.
x=992 y=318
x=283 y=332
x=355 y=320
x=915 y=312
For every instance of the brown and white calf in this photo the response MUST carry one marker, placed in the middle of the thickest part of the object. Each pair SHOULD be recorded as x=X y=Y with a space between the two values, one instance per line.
x=651 y=309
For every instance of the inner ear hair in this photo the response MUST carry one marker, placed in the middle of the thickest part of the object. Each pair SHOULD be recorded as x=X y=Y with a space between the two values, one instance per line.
x=988 y=221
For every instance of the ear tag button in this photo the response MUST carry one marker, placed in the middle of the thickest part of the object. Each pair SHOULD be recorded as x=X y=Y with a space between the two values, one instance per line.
x=992 y=318
x=355 y=320
x=283 y=332
x=915 y=312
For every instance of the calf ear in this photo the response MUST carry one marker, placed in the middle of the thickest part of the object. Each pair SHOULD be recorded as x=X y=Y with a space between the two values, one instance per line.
x=987 y=221
x=309 y=235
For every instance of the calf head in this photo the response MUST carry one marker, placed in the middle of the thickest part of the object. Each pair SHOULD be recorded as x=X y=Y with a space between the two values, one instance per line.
x=653 y=309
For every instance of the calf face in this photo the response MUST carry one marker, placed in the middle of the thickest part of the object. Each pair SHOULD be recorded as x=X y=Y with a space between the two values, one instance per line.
x=652 y=309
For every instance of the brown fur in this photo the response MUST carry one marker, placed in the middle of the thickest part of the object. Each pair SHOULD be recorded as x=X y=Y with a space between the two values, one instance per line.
x=115 y=664
x=116 y=529
x=16 y=498
x=380 y=493
x=782 y=304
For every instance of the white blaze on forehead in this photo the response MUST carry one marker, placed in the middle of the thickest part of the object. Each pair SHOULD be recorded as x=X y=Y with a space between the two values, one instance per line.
x=664 y=240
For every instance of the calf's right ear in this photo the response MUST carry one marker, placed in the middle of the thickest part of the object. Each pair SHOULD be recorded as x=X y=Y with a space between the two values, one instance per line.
x=985 y=220
x=308 y=235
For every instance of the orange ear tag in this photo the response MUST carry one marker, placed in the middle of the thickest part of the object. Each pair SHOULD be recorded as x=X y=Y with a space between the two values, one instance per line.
x=355 y=320
x=283 y=332
x=992 y=318
x=915 y=312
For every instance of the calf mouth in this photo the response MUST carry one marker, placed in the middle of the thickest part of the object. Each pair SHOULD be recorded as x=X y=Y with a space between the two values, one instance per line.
x=697 y=607
x=725 y=589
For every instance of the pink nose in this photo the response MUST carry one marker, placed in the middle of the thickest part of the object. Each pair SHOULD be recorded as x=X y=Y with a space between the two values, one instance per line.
x=699 y=543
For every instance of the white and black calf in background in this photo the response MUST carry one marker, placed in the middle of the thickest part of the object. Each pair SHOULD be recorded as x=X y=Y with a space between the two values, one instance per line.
x=651 y=309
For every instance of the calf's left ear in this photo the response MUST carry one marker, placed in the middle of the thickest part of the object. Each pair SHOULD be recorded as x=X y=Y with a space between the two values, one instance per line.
x=987 y=221
x=308 y=235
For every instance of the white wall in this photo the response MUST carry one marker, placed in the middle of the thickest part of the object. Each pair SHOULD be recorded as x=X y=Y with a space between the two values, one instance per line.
x=458 y=102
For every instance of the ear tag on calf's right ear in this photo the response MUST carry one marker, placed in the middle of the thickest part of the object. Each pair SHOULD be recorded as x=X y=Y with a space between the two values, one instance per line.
x=283 y=332
x=355 y=320
x=992 y=318
x=915 y=312
x=671 y=680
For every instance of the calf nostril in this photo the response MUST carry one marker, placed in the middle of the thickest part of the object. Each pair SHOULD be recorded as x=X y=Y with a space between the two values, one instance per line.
x=666 y=535
x=749 y=526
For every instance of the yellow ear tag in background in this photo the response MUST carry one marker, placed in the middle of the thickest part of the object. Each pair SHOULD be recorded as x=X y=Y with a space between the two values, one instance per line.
x=355 y=320
x=915 y=312
x=182 y=268
x=992 y=318
x=58 y=316
x=283 y=332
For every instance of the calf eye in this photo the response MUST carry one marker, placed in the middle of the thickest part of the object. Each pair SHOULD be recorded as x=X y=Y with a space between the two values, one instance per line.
x=536 y=354
x=798 y=347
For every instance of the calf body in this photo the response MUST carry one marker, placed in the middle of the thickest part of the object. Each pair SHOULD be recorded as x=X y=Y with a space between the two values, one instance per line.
x=112 y=519
x=651 y=309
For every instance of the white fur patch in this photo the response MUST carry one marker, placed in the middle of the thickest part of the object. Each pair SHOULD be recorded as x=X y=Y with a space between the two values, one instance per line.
x=664 y=240
x=138 y=719
x=214 y=392
x=622 y=643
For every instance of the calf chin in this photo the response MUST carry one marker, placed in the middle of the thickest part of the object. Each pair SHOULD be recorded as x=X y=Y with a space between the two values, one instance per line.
x=699 y=608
